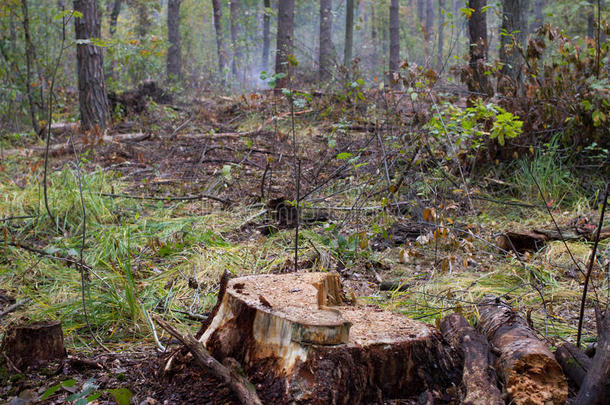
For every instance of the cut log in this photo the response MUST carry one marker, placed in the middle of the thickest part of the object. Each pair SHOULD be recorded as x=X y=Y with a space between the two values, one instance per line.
x=34 y=344
x=479 y=377
x=529 y=370
x=595 y=389
x=300 y=343
x=574 y=362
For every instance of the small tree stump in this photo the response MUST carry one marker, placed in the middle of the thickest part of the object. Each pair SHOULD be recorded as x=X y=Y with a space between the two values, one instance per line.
x=530 y=372
x=300 y=342
x=34 y=344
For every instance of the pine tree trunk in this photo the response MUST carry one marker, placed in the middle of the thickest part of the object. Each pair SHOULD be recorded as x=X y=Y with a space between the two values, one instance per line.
x=326 y=41
x=90 y=67
x=477 y=30
x=394 y=38
x=512 y=35
x=234 y=9
x=174 y=57
x=349 y=33
x=285 y=33
x=222 y=58
x=266 y=24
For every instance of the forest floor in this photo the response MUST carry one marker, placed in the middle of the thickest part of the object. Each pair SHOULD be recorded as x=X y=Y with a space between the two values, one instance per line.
x=210 y=178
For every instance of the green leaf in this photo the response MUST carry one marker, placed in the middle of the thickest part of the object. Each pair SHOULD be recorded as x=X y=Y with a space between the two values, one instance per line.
x=122 y=396
x=344 y=155
x=50 y=391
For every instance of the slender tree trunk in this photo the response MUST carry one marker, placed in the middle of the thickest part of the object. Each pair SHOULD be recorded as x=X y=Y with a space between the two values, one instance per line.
x=512 y=36
x=591 y=19
x=222 y=58
x=421 y=10
x=114 y=16
x=90 y=67
x=266 y=24
x=477 y=30
x=349 y=32
x=374 y=41
x=326 y=41
x=428 y=30
x=174 y=56
x=30 y=53
x=285 y=33
x=394 y=39
x=234 y=9
x=441 y=26
x=142 y=18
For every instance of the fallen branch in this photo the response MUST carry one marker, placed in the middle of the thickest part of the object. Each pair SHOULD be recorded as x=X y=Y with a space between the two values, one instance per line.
x=13 y=307
x=242 y=388
x=479 y=378
x=169 y=198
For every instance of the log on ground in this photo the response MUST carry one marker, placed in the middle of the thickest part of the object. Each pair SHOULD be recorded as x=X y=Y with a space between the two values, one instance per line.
x=574 y=362
x=300 y=341
x=479 y=377
x=528 y=368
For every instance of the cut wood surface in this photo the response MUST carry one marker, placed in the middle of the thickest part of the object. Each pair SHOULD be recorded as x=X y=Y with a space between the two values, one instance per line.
x=528 y=368
x=595 y=389
x=479 y=377
x=573 y=361
x=299 y=339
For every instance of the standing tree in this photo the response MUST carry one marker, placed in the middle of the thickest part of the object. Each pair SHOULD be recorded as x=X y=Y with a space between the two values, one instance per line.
x=428 y=28
x=591 y=19
x=266 y=24
x=30 y=53
x=114 y=15
x=512 y=36
x=174 y=57
x=349 y=32
x=222 y=59
x=326 y=24
x=234 y=9
x=441 y=25
x=394 y=39
x=90 y=67
x=477 y=30
x=285 y=33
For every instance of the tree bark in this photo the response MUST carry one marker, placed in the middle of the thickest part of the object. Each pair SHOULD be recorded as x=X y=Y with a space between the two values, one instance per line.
x=114 y=16
x=222 y=55
x=429 y=20
x=528 y=368
x=574 y=362
x=479 y=378
x=477 y=30
x=266 y=41
x=595 y=389
x=34 y=344
x=236 y=60
x=174 y=55
x=142 y=18
x=394 y=39
x=92 y=98
x=374 y=44
x=591 y=19
x=441 y=39
x=30 y=53
x=326 y=41
x=285 y=33
x=512 y=35
x=349 y=33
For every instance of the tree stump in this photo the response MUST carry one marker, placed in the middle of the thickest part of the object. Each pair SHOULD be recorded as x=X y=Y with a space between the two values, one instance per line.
x=300 y=341
x=34 y=344
x=530 y=372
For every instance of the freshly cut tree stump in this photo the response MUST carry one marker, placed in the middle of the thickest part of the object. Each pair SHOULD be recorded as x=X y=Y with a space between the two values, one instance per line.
x=479 y=377
x=34 y=344
x=300 y=342
x=530 y=372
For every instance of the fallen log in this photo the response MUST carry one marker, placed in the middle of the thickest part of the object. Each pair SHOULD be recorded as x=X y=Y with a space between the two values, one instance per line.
x=574 y=362
x=530 y=373
x=595 y=388
x=299 y=340
x=229 y=375
x=535 y=239
x=34 y=344
x=479 y=377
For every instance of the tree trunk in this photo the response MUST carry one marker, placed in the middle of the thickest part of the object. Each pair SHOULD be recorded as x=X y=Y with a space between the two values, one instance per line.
x=421 y=11
x=142 y=18
x=512 y=37
x=326 y=40
x=477 y=30
x=90 y=67
x=374 y=43
x=266 y=42
x=349 y=33
x=222 y=58
x=394 y=39
x=285 y=33
x=441 y=26
x=591 y=19
x=529 y=370
x=300 y=342
x=574 y=362
x=114 y=16
x=174 y=56
x=479 y=378
x=429 y=20
x=595 y=389
x=236 y=60
x=30 y=53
